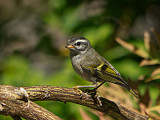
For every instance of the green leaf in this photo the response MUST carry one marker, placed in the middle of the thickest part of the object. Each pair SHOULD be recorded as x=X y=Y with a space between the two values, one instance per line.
x=154 y=93
x=142 y=89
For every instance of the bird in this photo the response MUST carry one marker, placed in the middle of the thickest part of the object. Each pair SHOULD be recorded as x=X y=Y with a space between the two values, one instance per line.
x=92 y=67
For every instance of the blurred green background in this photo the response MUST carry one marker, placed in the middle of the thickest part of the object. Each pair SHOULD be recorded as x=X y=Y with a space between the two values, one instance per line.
x=33 y=34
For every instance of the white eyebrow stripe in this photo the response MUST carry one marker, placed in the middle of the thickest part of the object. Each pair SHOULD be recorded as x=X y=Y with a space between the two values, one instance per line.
x=81 y=41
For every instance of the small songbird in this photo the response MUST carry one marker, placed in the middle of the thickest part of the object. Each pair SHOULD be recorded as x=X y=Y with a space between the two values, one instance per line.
x=93 y=67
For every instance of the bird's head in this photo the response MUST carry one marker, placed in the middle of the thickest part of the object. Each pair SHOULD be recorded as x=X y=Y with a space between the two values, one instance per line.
x=78 y=45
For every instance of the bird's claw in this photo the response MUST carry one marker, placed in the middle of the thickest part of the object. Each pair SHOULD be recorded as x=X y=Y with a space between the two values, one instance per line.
x=78 y=90
x=94 y=95
x=91 y=92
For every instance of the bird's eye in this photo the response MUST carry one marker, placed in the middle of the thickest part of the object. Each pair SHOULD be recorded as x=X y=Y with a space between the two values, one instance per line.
x=78 y=43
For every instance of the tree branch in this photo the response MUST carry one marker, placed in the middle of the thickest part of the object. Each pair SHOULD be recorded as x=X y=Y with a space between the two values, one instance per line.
x=13 y=102
x=45 y=93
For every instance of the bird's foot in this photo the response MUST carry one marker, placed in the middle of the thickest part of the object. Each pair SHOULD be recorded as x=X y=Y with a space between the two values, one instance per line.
x=91 y=92
x=78 y=90
x=98 y=99
x=77 y=87
x=94 y=95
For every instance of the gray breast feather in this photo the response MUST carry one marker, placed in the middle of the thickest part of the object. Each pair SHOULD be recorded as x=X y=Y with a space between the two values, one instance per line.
x=76 y=64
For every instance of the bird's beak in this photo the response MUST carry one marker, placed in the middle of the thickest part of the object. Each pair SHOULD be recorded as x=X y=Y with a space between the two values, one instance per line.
x=69 y=46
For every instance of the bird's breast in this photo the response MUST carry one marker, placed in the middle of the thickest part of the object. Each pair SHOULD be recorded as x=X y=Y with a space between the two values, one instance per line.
x=76 y=63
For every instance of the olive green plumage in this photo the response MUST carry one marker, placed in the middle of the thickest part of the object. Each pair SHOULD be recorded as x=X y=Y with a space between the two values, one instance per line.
x=91 y=66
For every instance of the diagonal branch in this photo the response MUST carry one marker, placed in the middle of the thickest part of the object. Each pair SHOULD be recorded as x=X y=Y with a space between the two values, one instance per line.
x=45 y=93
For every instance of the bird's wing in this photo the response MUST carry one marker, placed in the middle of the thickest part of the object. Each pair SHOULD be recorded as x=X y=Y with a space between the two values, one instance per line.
x=111 y=67
x=104 y=71
x=100 y=68
x=107 y=72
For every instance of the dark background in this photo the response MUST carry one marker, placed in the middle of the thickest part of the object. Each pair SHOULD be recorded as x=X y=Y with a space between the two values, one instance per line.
x=33 y=34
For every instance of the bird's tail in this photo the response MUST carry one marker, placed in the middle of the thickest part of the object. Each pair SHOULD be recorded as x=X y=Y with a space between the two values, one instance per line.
x=133 y=93
x=125 y=85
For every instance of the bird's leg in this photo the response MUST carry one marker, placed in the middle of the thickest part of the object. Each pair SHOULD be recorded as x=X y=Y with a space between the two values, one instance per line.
x=96 y=87
x=96 y=96
x=92 y=92
x=88 y=86
x=80 y=92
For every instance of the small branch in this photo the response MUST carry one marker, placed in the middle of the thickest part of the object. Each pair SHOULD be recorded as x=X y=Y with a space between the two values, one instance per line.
x=45 y=93
x=12 y=104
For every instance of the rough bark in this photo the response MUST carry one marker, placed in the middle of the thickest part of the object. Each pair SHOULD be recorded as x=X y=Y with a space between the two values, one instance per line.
x=17 y=102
